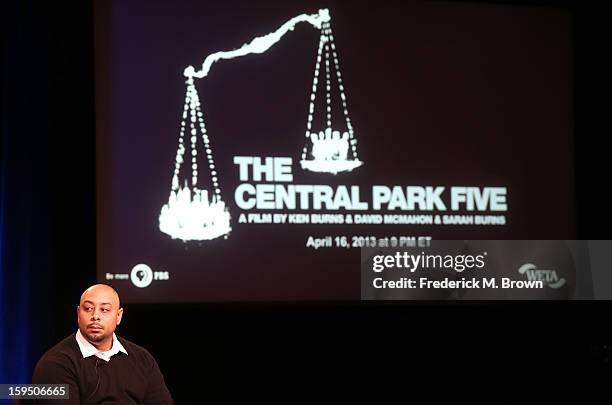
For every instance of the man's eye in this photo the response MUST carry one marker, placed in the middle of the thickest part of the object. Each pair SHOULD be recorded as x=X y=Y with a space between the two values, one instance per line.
x=105 y=309
x=88 y=309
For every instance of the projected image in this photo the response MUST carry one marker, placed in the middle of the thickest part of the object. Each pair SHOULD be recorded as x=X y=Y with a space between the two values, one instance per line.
x=249 y=154
x=189 y=215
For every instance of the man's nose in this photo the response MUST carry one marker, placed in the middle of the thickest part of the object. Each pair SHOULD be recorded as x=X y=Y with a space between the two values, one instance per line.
x=95 y=314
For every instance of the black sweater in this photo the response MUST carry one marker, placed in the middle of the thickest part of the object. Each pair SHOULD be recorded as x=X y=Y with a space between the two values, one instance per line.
x=134 y=378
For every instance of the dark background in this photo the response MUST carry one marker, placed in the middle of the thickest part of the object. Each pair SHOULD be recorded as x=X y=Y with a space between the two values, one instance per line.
x=232 y=351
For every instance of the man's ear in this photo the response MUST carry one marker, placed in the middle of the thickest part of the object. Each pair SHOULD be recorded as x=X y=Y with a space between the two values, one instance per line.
x=119 y=315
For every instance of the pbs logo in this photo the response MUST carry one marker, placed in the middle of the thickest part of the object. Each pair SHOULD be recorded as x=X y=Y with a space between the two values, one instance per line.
x=141 y=275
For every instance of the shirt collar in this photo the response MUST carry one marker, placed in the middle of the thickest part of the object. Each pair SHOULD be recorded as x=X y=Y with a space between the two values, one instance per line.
x=87 y=349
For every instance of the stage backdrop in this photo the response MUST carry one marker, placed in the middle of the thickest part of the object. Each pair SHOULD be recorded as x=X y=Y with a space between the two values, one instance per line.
x=247 y=152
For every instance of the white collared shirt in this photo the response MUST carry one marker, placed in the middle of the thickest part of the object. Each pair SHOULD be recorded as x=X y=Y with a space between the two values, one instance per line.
x=87 y=349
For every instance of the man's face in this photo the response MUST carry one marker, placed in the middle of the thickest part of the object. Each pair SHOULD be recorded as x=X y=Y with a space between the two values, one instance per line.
x=99 y=314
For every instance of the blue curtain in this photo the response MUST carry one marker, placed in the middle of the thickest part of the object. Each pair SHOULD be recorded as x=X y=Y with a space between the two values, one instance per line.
x=47 y=177
x=20 y=126
x=15 y=281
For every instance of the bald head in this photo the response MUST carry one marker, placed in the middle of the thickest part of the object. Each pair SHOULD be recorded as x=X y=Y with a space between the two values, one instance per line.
x=105 y=293
x=99 y=312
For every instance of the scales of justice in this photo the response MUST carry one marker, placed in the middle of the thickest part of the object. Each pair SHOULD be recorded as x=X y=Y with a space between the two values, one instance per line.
x=199 y=214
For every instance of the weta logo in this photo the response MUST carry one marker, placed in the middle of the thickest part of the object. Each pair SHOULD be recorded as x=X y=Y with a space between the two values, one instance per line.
x=548 y=277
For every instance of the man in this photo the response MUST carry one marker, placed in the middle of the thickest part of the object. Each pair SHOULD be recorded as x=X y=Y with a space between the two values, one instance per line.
x=98 y=366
